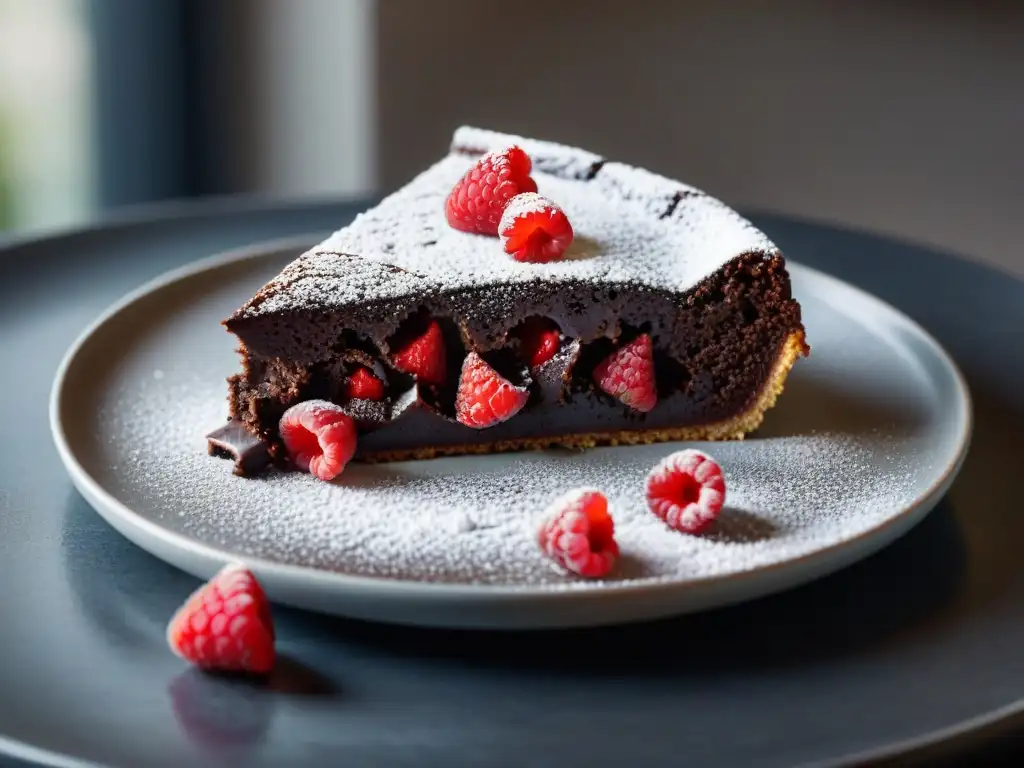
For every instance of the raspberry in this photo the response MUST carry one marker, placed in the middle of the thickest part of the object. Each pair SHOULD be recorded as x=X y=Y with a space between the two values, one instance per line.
x=225 y=625
x=423 y=356
x=534 y=229
x=579 y=534
x=628 y=374
x=485 y=397
x=476 y=202
x=539 y=340
x=362 y=384
x=320 y=437
x=687 y=490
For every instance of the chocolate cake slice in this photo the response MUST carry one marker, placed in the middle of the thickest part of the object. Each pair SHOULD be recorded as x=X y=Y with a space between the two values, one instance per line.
x=651 y=258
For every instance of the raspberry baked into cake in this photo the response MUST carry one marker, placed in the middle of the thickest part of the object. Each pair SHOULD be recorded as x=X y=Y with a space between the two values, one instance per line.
x=518 y=294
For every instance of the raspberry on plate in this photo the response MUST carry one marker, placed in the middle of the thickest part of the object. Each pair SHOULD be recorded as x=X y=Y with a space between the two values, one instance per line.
x=477 y=201
x=534 y=229
x=423 y=355
x=485 y=397
x=628 y=374
x=539 y=341
x=319 y=436
x=226 y=625
x=687 y=490
x=362 y=384
x=578 y=533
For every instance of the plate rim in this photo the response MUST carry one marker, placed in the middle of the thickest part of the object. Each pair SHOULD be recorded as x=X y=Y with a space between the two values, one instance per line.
x=134 y=526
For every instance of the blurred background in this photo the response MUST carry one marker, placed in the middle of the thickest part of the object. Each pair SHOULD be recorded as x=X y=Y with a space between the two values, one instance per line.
x=903 y=117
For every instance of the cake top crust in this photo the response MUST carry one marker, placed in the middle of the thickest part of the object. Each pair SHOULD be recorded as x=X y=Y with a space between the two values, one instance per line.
x=631 y=226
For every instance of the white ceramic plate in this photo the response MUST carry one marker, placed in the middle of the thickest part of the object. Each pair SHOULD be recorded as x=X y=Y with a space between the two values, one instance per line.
x=867 y=437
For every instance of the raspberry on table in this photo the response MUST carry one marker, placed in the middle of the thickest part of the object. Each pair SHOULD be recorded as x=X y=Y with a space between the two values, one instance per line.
x=485 y=397
x=578 y=533
x=628 y=374
x=319 y=436
x=539 y=341
x=534 y=229
x=477 y=201
x=423 y=355
x=226 y=625
x=687 y=490
x=362 y=384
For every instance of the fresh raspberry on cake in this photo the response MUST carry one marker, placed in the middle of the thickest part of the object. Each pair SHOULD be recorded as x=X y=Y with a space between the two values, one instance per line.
x=423 y=355
x=539 y=341
x=226 y=625
x=363 y=385
x=687 y=490
x=534 y=229
x=628 y=374
x=319 y=436
x=477 y=201
x=578 y=533
x=485 y=397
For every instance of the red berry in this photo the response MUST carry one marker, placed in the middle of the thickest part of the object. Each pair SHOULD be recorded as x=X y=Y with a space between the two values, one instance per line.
x=362 y=384
x=687 y=490
x=423 y=356
x=485 y=397
x=534 y=229
x=579 y=534
x=476 y=202
x=226 y=625
x=320 y=437
x=628 y=374
x=539 y=340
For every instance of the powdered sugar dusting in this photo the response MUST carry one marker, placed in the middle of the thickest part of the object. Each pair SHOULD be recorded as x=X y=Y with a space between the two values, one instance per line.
x=321 y=280
x=522 y=205
x=631 y=226
x=474 y=521
x=548 y=157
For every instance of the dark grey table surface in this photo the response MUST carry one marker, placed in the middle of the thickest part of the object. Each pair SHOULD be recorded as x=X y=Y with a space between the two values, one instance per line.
x=901 y=652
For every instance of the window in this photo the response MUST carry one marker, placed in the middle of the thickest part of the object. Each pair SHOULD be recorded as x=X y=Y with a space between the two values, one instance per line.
x=45 y=99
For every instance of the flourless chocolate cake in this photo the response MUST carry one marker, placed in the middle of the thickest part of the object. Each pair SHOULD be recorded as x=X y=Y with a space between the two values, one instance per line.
x=660 y=280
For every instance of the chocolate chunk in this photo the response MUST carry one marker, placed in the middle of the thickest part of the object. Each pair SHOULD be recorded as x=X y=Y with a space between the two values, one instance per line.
x=369 y=414
x=553 y=375
x=233 y=441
